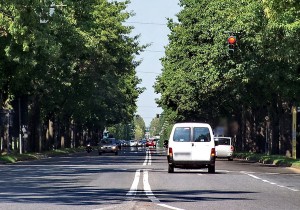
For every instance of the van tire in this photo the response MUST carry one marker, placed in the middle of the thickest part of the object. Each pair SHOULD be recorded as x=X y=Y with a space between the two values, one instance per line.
x=211 y=169
x=171 y=169
x=116 y=153
x=100 y=153
x=230 y=159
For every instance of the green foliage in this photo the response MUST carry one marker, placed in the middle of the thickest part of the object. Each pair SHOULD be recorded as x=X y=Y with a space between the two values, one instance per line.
x=75 y=65
x=201 y=81
x=80 y=64
x=140 y=127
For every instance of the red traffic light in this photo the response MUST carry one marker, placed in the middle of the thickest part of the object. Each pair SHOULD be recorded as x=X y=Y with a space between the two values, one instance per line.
x=231 y=40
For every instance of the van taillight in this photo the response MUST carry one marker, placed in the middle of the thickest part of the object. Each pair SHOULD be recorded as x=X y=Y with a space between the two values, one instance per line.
x=170 y=151
x=213 y=152
x=231 y=148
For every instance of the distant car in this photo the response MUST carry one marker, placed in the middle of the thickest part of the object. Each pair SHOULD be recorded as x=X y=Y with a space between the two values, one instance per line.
x=132 y=143
x=139 y=143
x=151 y=143
x=108 y=146
x=123 y=143
x=224 y=148
x=143 y=142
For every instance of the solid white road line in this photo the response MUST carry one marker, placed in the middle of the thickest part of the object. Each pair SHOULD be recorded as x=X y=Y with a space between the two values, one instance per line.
x=146 y=159
x=149 y=158
x=147 y=188
x=267 y=181
x=169 y=207
x=135 y=183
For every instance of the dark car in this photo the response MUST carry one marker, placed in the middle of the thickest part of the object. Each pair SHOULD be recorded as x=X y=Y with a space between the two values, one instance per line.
x=108 y=145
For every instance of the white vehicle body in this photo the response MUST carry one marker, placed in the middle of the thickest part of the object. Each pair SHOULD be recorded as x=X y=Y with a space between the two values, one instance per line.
x=224 y=148
x=132 y=143
x=191 y=145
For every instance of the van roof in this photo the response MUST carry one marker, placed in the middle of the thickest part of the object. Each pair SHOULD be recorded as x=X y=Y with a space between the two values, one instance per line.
x=192 y=124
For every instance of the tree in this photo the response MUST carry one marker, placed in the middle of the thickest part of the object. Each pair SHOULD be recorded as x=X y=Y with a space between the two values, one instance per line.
x=201 y=81
x=77 y=70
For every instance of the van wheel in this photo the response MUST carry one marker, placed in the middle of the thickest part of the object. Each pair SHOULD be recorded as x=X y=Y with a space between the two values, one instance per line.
x=230 y=159
x=100 y=153
x=171 y=169
x=116 y=153
x=211 y=169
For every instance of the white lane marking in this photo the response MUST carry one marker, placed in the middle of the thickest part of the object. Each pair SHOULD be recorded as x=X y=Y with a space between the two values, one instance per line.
x=146 y=159
x=149 y=158
x=169 y=207
x=135 y=183
x=267 y=181
x=150 y=195
x=200 y=174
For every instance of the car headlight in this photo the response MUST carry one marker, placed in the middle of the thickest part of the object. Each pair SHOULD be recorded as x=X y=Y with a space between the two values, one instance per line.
x=114 y=147
x=102 y=147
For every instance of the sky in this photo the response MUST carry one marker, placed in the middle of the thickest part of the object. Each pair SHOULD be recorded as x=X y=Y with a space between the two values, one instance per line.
x=156 y=34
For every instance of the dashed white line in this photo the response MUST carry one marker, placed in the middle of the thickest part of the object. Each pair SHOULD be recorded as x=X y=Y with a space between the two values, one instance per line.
x=135 y=183
x=267 y=181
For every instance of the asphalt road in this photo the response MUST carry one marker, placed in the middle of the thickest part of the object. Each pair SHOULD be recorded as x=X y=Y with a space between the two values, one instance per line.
x=138 y=179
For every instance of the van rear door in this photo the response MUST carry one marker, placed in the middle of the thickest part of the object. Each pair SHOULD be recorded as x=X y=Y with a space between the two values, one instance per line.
x=202 y=144
x=181 y=144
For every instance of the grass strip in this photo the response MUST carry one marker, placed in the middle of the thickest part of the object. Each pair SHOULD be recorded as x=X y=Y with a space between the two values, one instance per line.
x=277 y=160
x=13 y=158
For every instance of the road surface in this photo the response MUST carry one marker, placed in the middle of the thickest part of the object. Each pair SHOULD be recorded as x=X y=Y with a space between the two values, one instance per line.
x=137 y=179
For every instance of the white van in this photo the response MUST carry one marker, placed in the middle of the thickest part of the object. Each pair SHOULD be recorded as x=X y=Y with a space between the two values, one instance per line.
x=191 y=145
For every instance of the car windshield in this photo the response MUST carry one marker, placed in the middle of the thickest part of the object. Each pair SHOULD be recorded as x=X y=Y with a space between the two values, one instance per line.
x=223 y=141
x=108 y=141
x=201 y=134
x=182 y=134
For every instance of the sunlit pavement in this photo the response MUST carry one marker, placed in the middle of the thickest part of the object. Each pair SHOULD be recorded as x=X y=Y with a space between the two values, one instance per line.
x=137 y=179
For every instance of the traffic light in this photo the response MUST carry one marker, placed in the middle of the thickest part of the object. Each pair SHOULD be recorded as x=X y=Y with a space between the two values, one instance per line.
x=231 y=44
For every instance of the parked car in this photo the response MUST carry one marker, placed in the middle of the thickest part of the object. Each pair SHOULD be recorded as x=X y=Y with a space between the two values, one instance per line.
x=191 y=145
x=224 y=148
x=108 y=145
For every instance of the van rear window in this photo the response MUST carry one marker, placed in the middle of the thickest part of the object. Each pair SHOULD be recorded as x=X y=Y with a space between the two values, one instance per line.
x=224 y=141
x=182 y=134
x=201 y=135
